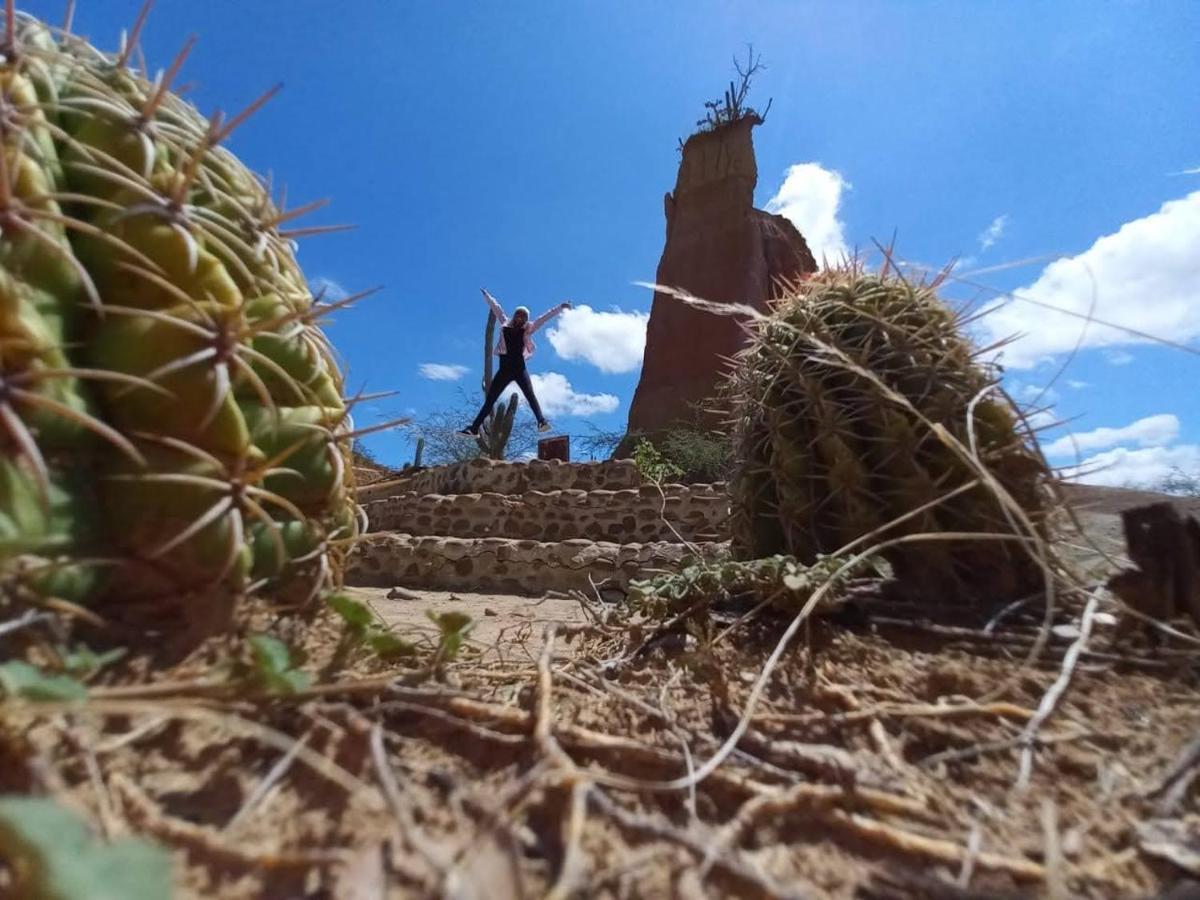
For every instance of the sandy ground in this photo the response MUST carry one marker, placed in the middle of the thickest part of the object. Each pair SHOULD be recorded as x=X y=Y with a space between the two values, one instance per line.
x=517 y=622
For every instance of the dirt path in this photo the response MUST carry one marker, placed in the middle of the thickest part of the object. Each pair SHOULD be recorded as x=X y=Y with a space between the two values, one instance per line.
x=518 y=621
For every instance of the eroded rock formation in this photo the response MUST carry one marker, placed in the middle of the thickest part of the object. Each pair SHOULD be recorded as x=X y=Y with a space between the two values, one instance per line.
x=718 y=247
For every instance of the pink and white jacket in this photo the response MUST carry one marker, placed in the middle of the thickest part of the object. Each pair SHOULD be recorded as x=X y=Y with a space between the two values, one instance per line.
x=530 y=326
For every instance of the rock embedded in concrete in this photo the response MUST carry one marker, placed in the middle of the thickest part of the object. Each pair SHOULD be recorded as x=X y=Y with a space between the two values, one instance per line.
x=509 y=566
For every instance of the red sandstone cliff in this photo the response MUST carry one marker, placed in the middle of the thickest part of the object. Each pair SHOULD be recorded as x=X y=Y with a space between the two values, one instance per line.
x=719 y=247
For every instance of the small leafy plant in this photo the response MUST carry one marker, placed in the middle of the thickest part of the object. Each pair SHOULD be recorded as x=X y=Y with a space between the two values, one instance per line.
x=453 y=628
x=362 y=629
x=47 y=852
x=21 y=680
x=782 y=579
x=652 y=464
x=274 y=667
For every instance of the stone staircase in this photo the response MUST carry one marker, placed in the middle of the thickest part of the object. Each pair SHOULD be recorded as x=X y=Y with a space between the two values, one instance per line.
x=532 y=527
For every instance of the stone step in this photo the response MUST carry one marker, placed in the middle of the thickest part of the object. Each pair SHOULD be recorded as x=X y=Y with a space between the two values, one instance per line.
x=483 y=476
x=510 y=566
x=632 y=515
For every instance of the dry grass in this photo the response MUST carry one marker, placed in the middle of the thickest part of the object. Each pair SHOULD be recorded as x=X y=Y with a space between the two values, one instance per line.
x=584 y=768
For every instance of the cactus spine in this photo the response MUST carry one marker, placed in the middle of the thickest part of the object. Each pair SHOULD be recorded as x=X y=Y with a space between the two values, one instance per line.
x=172 y=430
x=850 y=401
x=497 y=428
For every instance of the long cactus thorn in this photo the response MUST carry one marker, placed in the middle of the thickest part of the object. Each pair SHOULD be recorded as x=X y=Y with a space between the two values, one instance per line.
x=361 y=397
x=314 y=230
x=322 y=308
x=226 y=130
x=289 y=215
x=130 y=41
x=371 y=429
x=191 y=169
x=163 y=84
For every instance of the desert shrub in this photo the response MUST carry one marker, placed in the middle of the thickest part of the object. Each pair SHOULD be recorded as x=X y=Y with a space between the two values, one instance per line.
x=702 y=457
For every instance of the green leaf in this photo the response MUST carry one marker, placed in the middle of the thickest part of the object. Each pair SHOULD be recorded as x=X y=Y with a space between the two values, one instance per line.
x=389 y=647
x=794 y=582
x=83 y=661
x=50 y=854
x=355 y=614
x=275 y=666
x=20 y=679
x=454 y=627
x=293 y=681
x=270 y=654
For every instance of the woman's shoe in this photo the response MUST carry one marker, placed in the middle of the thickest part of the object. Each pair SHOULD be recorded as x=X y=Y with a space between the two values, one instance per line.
x=543 y=426
x=468 y=432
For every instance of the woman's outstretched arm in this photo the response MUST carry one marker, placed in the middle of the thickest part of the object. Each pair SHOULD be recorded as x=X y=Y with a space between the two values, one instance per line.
x=547 y=316
x=494 y=304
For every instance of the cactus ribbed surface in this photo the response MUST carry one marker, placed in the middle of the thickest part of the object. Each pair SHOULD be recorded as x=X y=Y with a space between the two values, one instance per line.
x=853 y=402
x=172 y=428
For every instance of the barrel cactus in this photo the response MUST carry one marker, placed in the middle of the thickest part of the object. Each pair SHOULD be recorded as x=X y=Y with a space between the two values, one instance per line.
x=858 y=400
x=172 y=427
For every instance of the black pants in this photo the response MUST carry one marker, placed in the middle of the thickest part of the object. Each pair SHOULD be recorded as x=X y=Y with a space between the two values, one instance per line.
x=509 y=373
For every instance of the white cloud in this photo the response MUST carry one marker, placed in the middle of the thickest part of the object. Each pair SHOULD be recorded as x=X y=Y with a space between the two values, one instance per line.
x=1144 y=276
x=1035 y=393
x=1150 y=432
x=442 y=371
x=557 y=397
x=811 y=197
x=610 y=341
x=328 y=290
x=1145 y=468
x=1118 y=357
x=1076 y=385
x=1193 y=171
x=993 y=232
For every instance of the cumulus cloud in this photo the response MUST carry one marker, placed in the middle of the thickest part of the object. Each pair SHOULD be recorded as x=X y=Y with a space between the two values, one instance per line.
x=610 y=341
x=1148 y=467
x=558 y=398
x=1118 y=357
x=1144 y=276
x=1150 y=432
x=811 y=197
x=993 y=232
x=1076 y=385
x=442 y=371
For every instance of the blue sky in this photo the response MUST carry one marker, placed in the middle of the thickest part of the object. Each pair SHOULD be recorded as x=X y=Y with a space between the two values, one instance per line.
x=527 y=147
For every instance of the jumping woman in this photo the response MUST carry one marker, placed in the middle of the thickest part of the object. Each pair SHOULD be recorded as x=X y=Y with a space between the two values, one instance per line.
x=514 y=347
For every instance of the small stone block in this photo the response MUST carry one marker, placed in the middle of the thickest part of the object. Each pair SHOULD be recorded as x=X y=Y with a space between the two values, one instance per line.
x=557 y=447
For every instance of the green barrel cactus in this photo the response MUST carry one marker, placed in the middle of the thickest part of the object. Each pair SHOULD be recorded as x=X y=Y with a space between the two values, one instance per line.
x=172 y=427
x=848 y=402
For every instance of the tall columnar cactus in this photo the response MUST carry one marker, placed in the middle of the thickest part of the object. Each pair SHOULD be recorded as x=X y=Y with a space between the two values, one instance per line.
x=172 y=430
x=854 y=402
x=497 y=428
